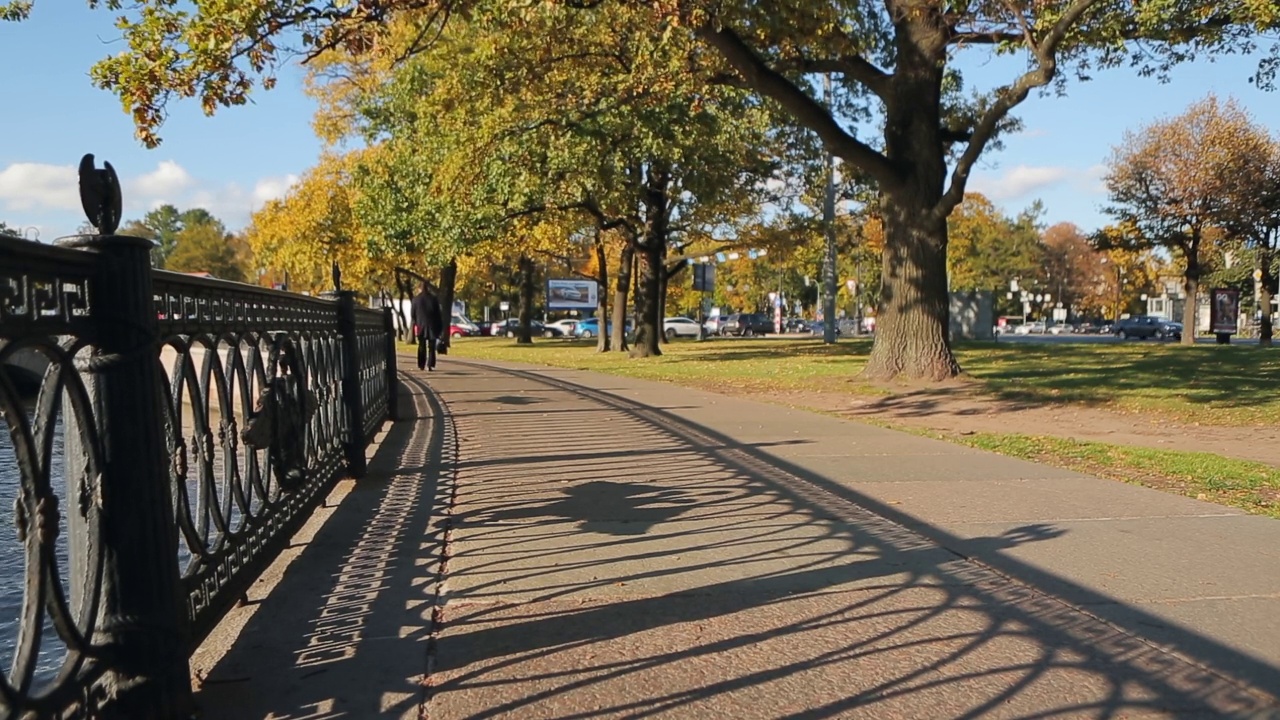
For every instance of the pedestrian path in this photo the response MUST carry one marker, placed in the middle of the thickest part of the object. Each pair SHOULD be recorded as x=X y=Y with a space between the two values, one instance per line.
x=545 y=543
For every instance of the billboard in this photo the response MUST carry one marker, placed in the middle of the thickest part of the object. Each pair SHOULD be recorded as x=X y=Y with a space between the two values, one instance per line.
x=1223 y=310
x=572 y=294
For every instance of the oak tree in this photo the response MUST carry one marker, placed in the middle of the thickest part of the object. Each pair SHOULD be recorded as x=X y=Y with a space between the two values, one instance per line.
x=1170 y=185
x=900 y=52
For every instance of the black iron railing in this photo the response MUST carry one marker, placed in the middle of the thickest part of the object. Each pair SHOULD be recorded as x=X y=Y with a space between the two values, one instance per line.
x=181 y=431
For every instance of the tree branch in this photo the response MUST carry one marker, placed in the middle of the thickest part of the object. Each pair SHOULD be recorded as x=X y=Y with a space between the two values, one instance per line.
x=854 y=66
x=809 y=113
x=1007 y=98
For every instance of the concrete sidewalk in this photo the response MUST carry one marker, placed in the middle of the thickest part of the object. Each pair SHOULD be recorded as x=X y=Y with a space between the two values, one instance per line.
x=592 y=546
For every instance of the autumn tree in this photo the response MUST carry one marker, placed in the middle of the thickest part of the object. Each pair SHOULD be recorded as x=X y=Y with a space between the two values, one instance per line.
x=313 y=226
x=162 y=226
x=1070 y=264
x=900 y=52
x=1169 y=185
x=1252 y=215
x=988 y=249
x=204 y=245
x=561 y=121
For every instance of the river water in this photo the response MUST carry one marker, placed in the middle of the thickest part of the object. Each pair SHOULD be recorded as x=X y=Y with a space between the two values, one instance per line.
x=13 y=561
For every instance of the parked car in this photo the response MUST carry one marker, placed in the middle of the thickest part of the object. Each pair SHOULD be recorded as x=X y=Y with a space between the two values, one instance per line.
x=461 y=326
x=1035 y=327
x=674 y=327
x=715 y=324
x=818 y=328
x=565 y=326
x=1172 y=329
x=795 y=325
x=511 y=328
x=747 y=324
x=1146 y=326
x=588 y=328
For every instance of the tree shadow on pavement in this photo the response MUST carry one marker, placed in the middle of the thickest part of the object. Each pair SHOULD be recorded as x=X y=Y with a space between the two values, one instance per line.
x=749 y=587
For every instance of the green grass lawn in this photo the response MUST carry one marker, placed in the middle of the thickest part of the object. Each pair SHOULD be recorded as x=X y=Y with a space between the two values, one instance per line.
x=1230 y=386
x=1209 y=384
x=1250 y=486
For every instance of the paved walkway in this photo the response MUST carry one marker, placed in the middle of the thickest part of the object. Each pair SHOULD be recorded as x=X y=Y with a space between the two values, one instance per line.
x=558 y=544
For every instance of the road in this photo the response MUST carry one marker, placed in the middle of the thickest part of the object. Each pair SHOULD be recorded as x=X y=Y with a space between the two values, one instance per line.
x=1107 y=339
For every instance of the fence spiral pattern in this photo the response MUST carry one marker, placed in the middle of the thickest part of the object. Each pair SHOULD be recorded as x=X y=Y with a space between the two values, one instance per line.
x=223 y=352
x=56 y=520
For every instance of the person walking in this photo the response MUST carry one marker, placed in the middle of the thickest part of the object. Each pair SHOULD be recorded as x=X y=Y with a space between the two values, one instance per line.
x=428 y=325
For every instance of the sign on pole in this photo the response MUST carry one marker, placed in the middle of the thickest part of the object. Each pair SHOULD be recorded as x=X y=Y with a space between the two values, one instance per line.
x=1223 y=311
x=572 y=294
x=704 y=278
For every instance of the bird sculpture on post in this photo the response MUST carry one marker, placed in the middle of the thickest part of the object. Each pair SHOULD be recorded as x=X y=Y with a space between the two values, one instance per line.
x=100 y=195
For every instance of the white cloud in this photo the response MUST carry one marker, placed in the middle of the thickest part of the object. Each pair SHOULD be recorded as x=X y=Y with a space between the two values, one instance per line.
x=48 y=195
x=36 y=187
x=1019 y=181
x=169 y=179
x=268 y=189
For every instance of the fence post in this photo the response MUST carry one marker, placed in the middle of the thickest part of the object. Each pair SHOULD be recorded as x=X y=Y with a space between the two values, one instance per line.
x=143 y=623
x=352 y=400
x=393 y=389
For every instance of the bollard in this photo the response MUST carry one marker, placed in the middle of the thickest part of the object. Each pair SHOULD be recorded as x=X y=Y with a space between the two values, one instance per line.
x=143 y=623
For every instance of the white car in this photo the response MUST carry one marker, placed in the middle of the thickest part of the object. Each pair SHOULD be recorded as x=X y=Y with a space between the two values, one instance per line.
x=1031 y=328
x=674 y=327
x=565 y=326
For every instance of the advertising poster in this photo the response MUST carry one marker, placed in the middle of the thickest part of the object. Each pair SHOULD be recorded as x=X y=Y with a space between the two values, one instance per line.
x=1223 y=310
x=571 y=294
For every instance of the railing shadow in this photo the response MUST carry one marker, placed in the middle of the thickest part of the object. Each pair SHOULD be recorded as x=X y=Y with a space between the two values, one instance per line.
x=713 y=579
x=347 y=626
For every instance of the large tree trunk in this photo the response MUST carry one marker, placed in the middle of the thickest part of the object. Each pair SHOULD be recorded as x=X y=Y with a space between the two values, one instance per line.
x=448 y=284
x=1191 y=286
x=663 y=276
x=602 y=297
x=912 y=326
x=653 y=267
x=648 y=302
x=912 y=337
x=626 y=266
x=524 y=335
x=1264 y=298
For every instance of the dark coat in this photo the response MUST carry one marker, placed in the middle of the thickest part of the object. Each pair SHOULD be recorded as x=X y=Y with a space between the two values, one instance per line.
x=427 y=315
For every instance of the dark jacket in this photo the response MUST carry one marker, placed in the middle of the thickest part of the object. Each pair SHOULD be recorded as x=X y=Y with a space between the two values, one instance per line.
x=426 y=314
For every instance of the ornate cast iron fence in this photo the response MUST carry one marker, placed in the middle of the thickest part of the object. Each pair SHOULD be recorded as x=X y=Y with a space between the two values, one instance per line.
x=183 y=430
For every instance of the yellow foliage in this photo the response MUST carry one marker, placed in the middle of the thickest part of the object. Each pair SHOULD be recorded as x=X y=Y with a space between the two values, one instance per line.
x=311 y=227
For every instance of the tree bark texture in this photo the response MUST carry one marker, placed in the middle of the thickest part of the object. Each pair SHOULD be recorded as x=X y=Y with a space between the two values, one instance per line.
x=1191 y=287
x=912 y=338
x=653 y=267
x=1265 y=330
x=912 y=328
x=626 y=267
x=524 y=335
x=649 y=324
x=448 y=286
x=602 y=297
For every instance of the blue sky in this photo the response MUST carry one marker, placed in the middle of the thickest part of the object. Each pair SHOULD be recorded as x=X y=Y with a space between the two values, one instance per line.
x=235 y=161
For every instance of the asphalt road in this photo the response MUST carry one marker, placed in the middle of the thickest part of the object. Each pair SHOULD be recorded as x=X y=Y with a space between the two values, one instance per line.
x=1035 y=339
x=1108 y=339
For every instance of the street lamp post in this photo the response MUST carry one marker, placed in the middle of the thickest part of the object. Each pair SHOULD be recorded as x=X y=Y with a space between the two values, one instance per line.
x=829 y=258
